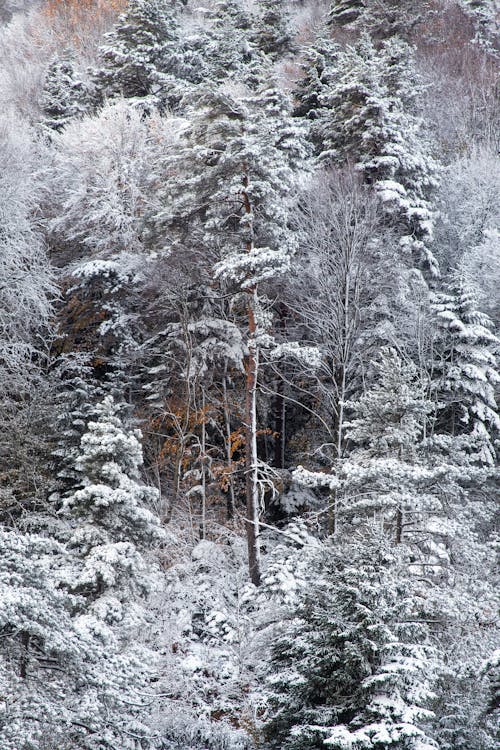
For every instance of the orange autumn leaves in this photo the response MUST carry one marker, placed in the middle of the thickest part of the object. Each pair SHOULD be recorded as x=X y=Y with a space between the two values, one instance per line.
x=80 y=23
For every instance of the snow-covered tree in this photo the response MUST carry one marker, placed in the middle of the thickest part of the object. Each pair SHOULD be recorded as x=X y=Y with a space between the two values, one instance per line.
x=114 y=525
x=65 y=683
x=226 y=43
x=26 y=288
x=384 y=478
x=237 y=200
x=344 y=292
x=352 y=666
x=272 y=32
x=367 y=119
x=468 y=208
x=143 y=56
x=484 y=14
x=102 y=181
x=64 y=93
x=466 y=371
x=382 y=18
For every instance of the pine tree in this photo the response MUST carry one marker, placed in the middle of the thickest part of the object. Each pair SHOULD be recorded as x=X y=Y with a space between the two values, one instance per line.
x=367 y=119
x=382 y=474
x=142 y=55
x=240 y=170
x=114 y=525
x=352 y=667
x=381 y=18
x=272 y=33
x=466 y=372
x=64 y=95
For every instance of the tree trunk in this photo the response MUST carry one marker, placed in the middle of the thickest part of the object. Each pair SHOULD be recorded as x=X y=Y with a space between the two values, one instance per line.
x=251 y=469
x=203 y=522
x=25 y=646
x=230 y=502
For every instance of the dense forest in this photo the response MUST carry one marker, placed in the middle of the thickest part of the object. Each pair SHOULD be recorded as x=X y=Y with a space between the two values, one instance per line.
x=249 y=308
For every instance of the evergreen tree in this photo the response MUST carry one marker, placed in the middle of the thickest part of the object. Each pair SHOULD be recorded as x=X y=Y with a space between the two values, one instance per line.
x=65 y=683
x=142 y=56
x=227 y=46
x=237 y=201
x=64 y=95
x=385 y=474
x=352 y=667
x=385 y=478
x=114 y=525
x=485 y=17
x=272 y=33
x=465 y=372
x=367 y=119
x=381 y=18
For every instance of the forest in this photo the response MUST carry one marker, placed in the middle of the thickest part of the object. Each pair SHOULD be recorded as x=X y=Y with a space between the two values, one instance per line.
x=249 y=320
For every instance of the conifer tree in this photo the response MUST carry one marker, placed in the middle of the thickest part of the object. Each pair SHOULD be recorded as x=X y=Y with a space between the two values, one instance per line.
x=367 y=119
x=272 y=33
x=240 y=168
x=466 y=372
x=142 y=55
x=352 y=667
x=385 y=476
x=114 y=525
x=227 y=47
x=381 y=18
x=65 y=682
x=64 y=95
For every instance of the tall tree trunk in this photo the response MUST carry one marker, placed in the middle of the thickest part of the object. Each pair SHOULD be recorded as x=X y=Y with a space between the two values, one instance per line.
x=251 y=468
x=230 y=502
x=279 y=405
x=203 y=522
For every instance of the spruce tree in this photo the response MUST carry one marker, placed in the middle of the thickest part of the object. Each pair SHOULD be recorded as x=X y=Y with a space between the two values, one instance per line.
x=367 y=118
x=352 y=666
x=113 y=525
x=66 y=683
x=142 y=55
x=381 y=18
x=65 y=95
x=466 y=372
x=272 y=32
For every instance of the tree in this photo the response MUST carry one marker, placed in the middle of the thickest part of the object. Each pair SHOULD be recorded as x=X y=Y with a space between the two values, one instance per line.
x=114 y=523
x=485 y=16
x=468 y=209
x=352 y=666
x=272 y=33
x=465 y=372
x=345 y=276
x=26 y=289
x=64 y=94
x=65 y=682
x=39 y=641
x=261 y=178
x=236 y=201
x=103 y=176
x=367 y=119
x=144 y=56
x=385 y=477
x=381 y=18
